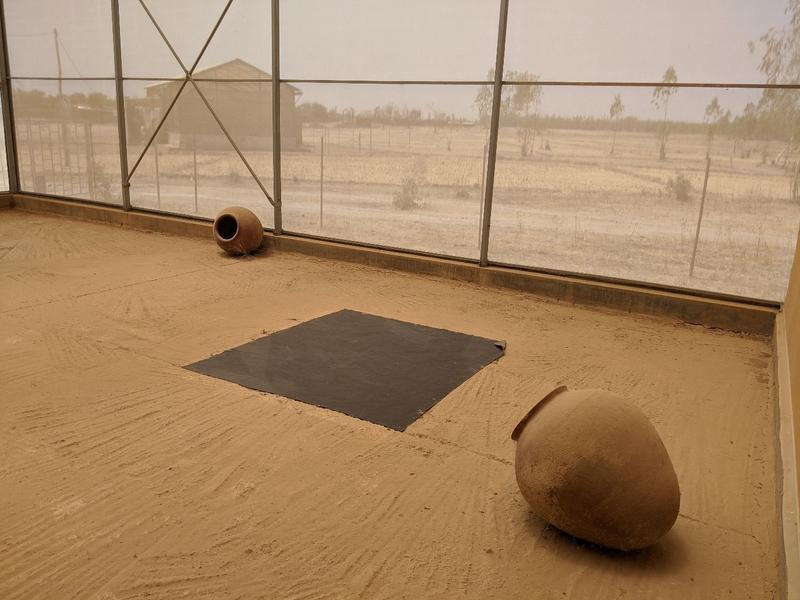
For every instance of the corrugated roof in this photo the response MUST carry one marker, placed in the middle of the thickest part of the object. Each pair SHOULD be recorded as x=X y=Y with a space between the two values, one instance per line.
x=232 y=69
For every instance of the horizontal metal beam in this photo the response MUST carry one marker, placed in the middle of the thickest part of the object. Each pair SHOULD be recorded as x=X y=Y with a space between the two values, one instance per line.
x=389 y=81
x=23 y=78
x=647 y=84
x=552 y=83
x=212 y=79
x=651 y=84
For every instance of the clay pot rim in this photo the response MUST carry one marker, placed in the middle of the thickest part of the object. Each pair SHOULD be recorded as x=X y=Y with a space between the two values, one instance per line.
x=547 y=398
x=221 y=216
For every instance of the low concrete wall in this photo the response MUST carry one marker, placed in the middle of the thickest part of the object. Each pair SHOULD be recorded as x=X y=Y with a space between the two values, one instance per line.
x=787 y=361
x=792 y=316
x=732 y=316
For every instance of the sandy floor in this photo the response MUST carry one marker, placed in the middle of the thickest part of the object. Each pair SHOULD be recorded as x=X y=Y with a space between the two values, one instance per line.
x=125 y=476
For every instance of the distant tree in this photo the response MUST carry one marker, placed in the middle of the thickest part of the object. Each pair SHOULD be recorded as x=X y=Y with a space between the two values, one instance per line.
x=661 y=97
x=518 y=103
x=712 y=117
x=780 y=63
x=483 y=100
x=312 y=112
x=524 y=104
x=614 y=113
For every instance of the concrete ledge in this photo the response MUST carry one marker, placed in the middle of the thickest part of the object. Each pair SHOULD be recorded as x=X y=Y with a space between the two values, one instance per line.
x=732 y=316
x=787 y=465
x=722 y=314
x=116 y=216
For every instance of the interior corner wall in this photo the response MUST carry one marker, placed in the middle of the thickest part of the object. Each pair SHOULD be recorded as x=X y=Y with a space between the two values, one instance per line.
x=792 y=314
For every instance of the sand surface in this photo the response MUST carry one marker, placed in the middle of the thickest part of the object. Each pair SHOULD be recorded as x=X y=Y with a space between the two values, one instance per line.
x=125 y=476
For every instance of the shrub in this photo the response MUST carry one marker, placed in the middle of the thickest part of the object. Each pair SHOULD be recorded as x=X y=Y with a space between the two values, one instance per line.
x=680 y=186
x=105 y=187
x=409 y=196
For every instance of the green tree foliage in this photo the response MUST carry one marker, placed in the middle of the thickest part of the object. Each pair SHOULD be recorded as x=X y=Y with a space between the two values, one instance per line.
x=714 y=118
x=614 y=113
x=780 y=63
x=518 y=104
x=661 y=97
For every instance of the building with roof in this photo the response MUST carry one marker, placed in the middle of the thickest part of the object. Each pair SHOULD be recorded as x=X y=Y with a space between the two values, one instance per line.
x=241 y=96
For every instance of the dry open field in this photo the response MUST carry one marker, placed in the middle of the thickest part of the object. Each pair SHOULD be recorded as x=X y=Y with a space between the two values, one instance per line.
x=571 y=207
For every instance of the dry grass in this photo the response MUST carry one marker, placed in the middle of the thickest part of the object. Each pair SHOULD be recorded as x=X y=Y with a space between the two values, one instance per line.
x=570 y=206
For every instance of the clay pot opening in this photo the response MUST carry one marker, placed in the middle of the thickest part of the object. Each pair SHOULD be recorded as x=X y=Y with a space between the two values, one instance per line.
x=227 y=227
x=521 y=425
x=238 y=231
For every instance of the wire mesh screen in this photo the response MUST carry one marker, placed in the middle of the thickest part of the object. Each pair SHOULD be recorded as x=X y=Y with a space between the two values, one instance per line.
x=610 y=139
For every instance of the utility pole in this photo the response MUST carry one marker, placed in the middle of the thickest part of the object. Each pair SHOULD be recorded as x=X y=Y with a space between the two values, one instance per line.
x=61 y=105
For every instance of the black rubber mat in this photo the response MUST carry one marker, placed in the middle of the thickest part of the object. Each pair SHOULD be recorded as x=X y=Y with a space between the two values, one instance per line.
x=381 y=370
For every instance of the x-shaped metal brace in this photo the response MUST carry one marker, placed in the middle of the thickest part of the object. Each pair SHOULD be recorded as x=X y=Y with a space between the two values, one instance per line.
x=188 y=78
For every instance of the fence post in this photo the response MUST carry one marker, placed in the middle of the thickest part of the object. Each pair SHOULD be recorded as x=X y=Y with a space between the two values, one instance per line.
x=493 y=132
x=90 y=159
x=700 y=216
x=120 y=93
x=31 y=153
x=276 y=118
x=158 y=178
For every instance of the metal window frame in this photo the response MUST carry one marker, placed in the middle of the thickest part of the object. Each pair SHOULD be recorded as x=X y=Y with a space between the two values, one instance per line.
x=8 y=108
x=188 y=72
x=276 y=118
x=12 y=152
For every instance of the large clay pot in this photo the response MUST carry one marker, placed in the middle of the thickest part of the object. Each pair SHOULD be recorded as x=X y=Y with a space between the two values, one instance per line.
x=594 y=466
x=238 y=230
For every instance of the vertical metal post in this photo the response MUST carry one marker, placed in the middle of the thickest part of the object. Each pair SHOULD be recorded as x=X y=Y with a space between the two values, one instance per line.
x=32 y=154
x=121 y=122
x=8 y=108
x=483 y=191
x=493 y=132
x=87 y=128
x=276 y=116
x=700 y=216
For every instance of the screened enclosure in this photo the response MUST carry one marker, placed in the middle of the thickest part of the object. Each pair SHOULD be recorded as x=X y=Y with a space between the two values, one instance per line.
x=656 y=144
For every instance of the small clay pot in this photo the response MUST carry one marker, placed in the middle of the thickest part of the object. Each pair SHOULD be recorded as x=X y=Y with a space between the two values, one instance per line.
x=238 y=230
x=594 y=466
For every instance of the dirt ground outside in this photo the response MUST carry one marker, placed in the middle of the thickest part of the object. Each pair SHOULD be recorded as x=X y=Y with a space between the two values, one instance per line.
x=570 y=205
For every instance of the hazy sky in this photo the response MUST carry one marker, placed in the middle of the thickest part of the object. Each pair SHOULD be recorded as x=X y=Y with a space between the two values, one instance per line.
x=611 y=40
